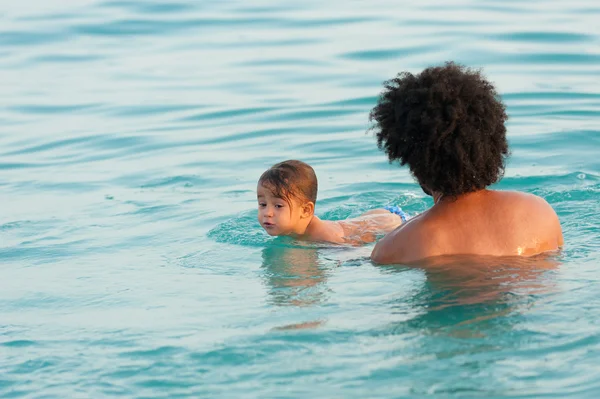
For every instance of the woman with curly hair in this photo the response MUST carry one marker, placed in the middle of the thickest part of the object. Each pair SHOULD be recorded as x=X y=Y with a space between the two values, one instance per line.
x=447 y=125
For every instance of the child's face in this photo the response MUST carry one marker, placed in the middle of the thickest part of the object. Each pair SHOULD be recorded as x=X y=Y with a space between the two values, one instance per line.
x=275 y=215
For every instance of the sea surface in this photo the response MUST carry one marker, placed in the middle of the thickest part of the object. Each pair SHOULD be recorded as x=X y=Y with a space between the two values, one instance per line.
x=132 y=134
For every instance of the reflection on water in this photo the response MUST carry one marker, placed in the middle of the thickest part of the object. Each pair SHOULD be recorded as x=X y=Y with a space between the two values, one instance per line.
x=295 y=276
x=463 y=296
x=453 y=315
x=466 y=296
x=134 y=133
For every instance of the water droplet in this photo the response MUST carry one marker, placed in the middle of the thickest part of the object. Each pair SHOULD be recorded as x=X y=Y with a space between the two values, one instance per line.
x=581 y=176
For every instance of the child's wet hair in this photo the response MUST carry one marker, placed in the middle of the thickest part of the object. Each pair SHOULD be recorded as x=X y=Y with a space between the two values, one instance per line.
x=291 y=179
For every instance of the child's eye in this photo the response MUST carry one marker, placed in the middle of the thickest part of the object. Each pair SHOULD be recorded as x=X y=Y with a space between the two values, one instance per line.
x=278 y=206
x=262 y=204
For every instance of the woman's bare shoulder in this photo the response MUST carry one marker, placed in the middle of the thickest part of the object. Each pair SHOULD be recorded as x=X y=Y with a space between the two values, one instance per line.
x=526 y=202
x=534 y=216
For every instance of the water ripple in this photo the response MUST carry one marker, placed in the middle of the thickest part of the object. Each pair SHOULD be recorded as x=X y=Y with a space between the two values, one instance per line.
x=384 y=54
x=51 y=109
x=132 y=263
x=17 y=39
x=149 y=8
x=544 y=37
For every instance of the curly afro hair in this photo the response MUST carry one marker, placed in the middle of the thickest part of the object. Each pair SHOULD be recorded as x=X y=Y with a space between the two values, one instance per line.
x=447 y=125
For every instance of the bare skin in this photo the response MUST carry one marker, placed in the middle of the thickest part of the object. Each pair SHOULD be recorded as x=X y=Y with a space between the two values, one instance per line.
x=360 y=230
x=297 y=219
x=485 y=222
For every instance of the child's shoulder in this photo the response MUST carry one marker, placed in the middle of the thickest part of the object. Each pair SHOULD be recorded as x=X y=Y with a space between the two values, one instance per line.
x=328 y=231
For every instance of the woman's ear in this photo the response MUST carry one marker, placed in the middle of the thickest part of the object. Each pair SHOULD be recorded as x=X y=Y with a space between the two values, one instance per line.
x=308 y=209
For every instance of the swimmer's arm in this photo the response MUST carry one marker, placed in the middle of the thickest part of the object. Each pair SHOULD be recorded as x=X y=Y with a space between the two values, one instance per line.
x=382 y=252
x=405 y=244
x=393 y=249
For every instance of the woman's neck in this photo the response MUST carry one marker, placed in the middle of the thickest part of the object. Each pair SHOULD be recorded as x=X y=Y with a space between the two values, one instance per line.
x=439 y=198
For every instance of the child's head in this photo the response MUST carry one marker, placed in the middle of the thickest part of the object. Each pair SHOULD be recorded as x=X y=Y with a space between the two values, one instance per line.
x=447 y=125
x=287 y=193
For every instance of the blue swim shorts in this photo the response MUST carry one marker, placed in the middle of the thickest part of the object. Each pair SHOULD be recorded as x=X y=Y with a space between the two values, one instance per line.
x=398 y=211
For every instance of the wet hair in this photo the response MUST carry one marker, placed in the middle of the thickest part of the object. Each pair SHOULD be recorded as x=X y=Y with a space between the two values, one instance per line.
x=291 y=179
x=447 y=124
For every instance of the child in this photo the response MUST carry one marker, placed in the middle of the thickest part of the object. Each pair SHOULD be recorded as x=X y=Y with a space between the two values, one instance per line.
x=287 y=193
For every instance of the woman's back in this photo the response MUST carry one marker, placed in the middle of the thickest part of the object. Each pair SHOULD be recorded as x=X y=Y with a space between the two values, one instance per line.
x=485 y=222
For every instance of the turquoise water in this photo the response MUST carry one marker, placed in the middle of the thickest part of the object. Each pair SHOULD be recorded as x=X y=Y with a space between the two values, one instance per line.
x=132 y=136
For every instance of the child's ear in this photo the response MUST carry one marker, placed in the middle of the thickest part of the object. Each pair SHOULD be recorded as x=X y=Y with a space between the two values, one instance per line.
x=308 y=209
